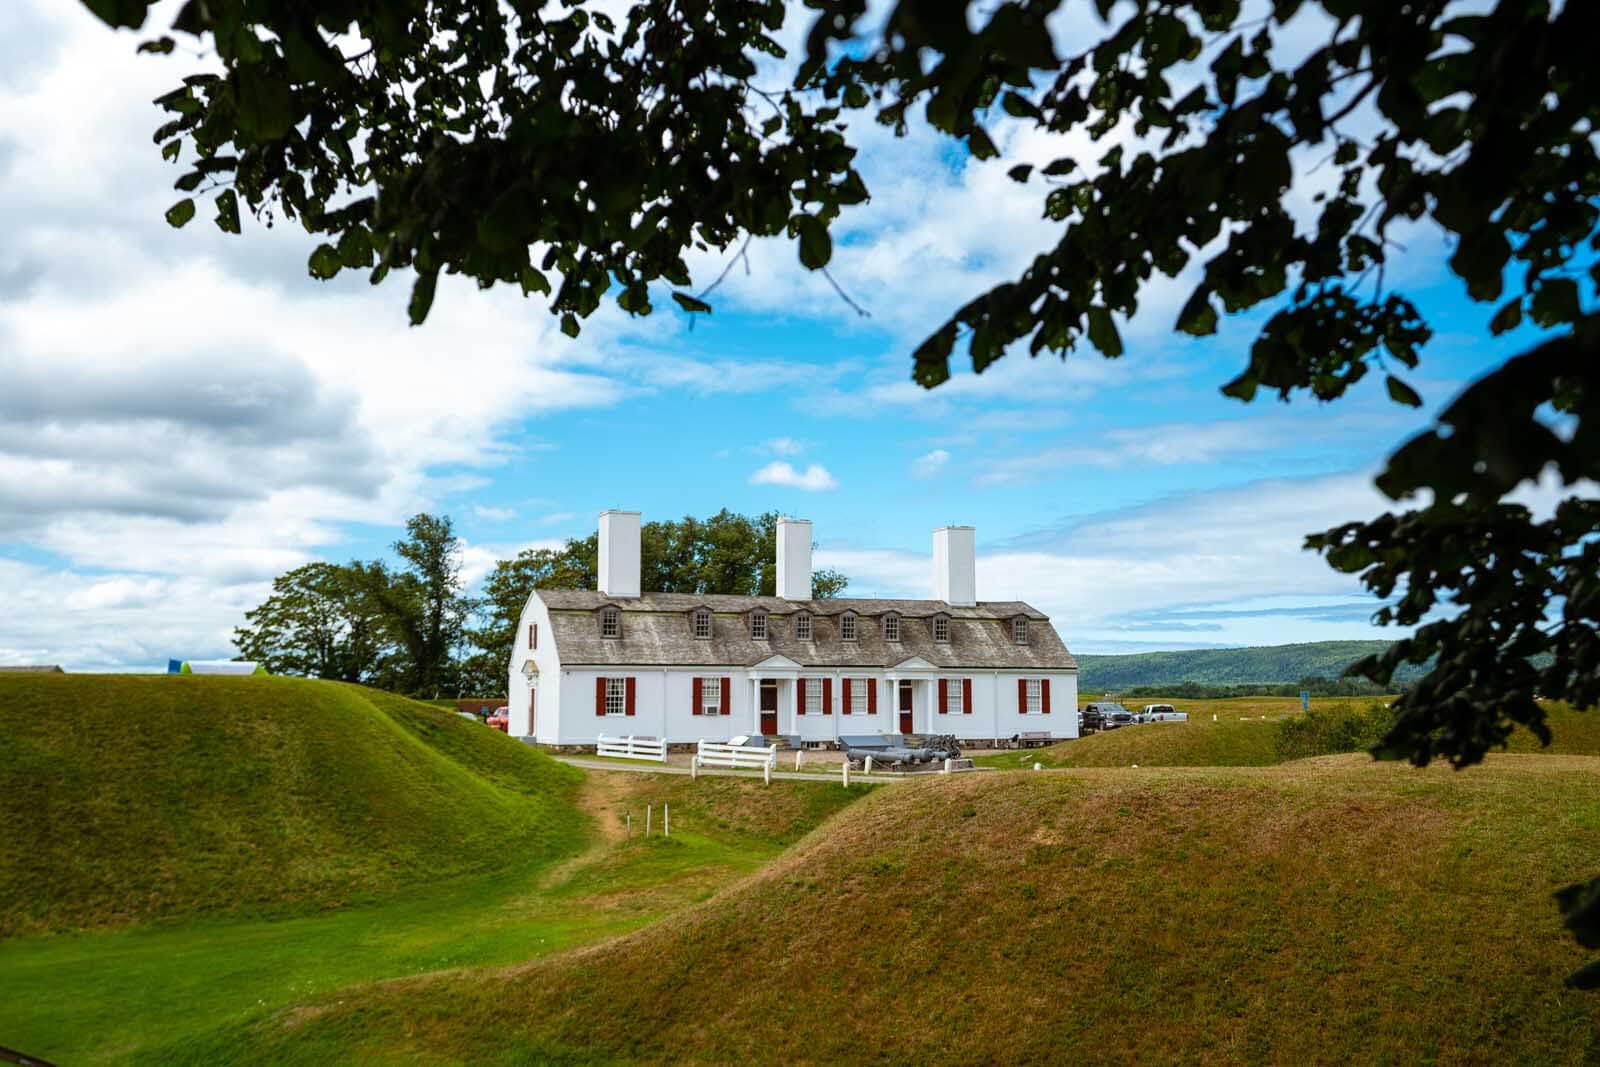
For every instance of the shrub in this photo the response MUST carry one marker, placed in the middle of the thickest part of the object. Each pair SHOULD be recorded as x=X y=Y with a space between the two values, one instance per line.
x=1323 y=732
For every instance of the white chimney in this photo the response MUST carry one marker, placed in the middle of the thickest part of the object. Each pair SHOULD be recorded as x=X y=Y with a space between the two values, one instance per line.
x=619 y=553
x=794 y=558
x=955 y=578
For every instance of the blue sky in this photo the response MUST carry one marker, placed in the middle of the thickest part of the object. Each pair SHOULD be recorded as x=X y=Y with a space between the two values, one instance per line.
x=190 y=414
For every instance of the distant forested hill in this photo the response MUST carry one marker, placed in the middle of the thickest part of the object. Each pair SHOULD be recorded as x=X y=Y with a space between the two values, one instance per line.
x=1271 y=665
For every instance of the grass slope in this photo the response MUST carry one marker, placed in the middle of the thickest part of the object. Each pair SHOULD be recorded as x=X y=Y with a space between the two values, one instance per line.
x=1327 y=910
x=128 y=798
x=1272 y=664
x=126 y=993
x=1245 y=734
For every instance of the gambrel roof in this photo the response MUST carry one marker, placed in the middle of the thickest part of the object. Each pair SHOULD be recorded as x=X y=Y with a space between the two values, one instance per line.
x=657 y=631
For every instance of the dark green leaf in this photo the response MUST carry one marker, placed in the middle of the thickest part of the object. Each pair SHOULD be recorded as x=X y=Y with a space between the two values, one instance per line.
x=129 y=14
x=692 y=304
x=1020 y=172
x=1507 y=318
x=422 y=297
x=980 y=144
x=1103 y=332
x=262 y=102
x=1401 y=393
x=325 y=263
x=160 y=46
x=228 y=211
x=569 y=324
x=1555 y=302
x=1199 y=316
x=179 y=214
x=816 y=247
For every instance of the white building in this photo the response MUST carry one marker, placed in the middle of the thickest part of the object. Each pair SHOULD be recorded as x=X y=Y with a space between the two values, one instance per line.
x=685 y=666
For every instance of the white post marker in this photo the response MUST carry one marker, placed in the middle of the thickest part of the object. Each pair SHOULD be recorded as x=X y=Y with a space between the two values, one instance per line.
x=948 y=763
x=799 y=753
x=866 y=765
x=630 y=823
x=694 y=767
x=844 y=769
x=1037 y=767
x=666 y=820
x=766 y=771
x=647 y=820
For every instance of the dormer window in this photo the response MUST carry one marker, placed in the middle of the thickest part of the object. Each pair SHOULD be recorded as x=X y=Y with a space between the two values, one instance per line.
x=802 y=627
x=758 y=625
x=610 y=621
x=941 y=629
x=1019 y=630
x=702 y=623
x=847 y=626
x=891 y=627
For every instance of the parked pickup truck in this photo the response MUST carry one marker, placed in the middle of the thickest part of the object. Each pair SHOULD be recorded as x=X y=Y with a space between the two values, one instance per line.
x=1162 y=713
x=1111 y=715
x=500 y=719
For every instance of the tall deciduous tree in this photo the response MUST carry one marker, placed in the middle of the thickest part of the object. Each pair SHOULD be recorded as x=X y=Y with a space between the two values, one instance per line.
x=320 y=622
x=425 y=605
x=560 y=151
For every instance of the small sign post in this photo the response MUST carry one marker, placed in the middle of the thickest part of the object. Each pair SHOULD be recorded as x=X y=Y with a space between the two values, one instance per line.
x=1305 y=700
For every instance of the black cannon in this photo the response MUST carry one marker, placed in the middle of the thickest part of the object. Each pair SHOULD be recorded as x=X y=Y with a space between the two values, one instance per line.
x=890 y=751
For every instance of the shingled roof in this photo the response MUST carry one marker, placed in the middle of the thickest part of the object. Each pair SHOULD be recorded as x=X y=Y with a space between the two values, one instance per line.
x=656 y=631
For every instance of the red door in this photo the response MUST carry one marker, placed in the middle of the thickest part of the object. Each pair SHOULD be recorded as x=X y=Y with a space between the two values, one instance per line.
x=905 y=707
x=769 y=708
x=533 y=713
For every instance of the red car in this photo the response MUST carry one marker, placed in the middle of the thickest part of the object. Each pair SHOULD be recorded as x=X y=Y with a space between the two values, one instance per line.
x=500 y=720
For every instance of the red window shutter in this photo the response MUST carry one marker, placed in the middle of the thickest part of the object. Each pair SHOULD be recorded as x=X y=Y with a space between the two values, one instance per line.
x=694 y=696
x=727 y=696
x=628 y=686
x=1044 y=695
x=872 y=697
x=1022 y=696
x=966 y=696
x=800 y=697
x=846 y=709
x=944 y=696
x=599 y=696
x=827 y=696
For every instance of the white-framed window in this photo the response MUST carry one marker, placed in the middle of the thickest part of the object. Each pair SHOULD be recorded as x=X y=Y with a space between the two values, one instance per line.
x=610 y=622
x=802 y=626
x=858 y=695
x=847 y=627
x=1035 y=691
x=1019 y=631
x=814 y=695
x=941 y=629
x=702 y=623
x=758 y=625
x=953 y=696
x=711 y=696
x=616 y=696
x=891 y=627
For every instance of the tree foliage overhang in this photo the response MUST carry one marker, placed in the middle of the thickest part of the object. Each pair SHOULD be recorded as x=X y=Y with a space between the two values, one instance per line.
x=553 y=148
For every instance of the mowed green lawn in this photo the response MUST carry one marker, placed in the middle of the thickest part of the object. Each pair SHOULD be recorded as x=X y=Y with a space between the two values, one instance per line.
x=468 y=848
x=1245 y=733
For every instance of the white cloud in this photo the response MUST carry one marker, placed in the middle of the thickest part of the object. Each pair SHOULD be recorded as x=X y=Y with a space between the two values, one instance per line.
x=785 y=446
x=1187 y=570
x=493 y=514
x=926 y=466
x=556 y=518
x=812 y=479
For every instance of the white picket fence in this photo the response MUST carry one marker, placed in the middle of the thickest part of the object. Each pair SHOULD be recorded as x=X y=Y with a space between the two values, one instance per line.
x=630 y=747
x=716 y=754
